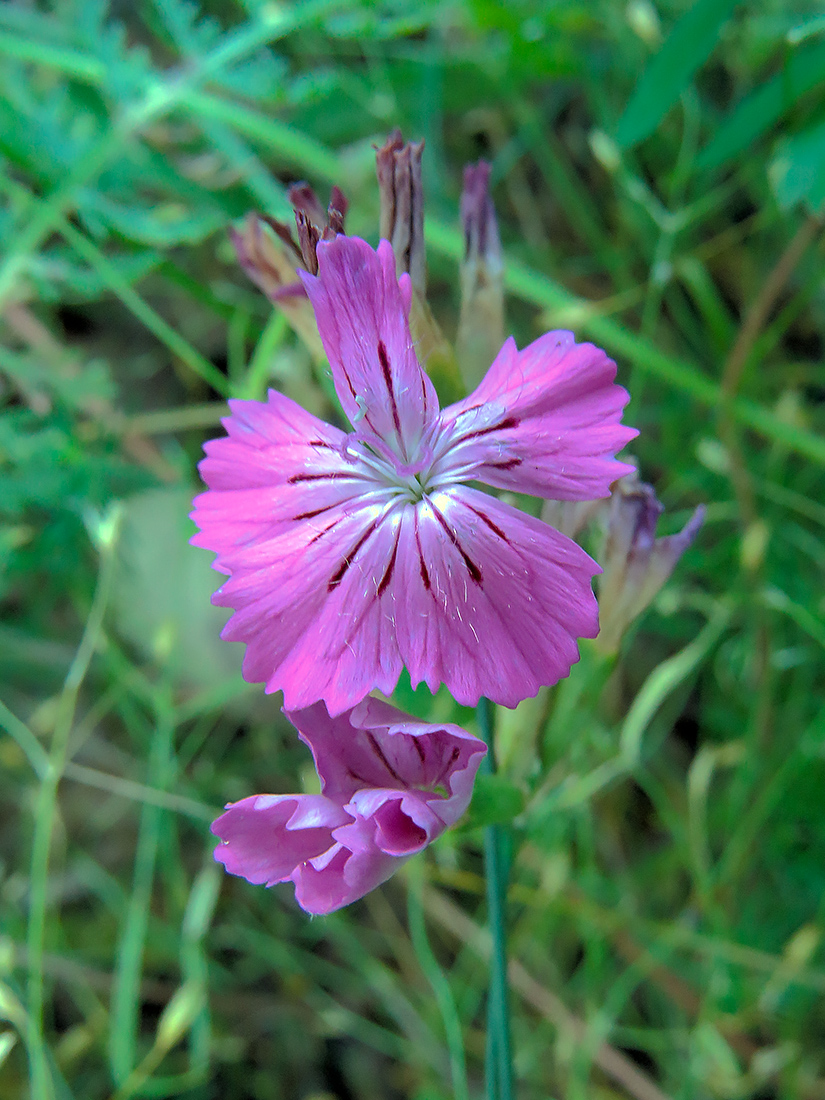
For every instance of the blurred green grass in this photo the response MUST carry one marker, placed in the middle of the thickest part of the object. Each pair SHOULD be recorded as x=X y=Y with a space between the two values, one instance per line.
x=656 y=171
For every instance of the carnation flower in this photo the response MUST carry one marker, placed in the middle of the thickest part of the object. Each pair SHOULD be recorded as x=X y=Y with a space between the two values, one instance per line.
x=390 y=784
x=352 y=554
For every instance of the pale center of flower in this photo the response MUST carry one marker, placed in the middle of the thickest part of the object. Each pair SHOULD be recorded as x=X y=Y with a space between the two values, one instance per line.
x=411 y=487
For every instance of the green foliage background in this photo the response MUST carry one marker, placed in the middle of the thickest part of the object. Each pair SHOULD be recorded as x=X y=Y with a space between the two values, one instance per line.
x=657 y=172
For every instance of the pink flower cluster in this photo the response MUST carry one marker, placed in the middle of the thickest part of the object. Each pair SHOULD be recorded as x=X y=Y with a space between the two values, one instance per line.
x=350 y=555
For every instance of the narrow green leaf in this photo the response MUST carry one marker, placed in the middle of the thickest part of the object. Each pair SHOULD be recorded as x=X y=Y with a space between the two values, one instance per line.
x=757 y=112
x=797 y=173
x=298 y=149
x=74 y=62
x=688 y=46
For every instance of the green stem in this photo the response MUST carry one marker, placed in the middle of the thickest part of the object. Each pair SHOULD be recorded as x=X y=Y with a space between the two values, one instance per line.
x=41 y=1081
x=498 y=1062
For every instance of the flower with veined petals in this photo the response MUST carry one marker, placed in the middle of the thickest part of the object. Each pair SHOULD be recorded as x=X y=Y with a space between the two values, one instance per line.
x=350 y=555
x=390 y=785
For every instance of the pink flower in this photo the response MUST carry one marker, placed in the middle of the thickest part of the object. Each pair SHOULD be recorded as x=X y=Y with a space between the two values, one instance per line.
x=391 y=785
x=353 y=554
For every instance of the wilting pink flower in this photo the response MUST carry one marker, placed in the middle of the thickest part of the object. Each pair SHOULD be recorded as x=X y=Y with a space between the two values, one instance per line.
x=353 y=554
x=390 y=784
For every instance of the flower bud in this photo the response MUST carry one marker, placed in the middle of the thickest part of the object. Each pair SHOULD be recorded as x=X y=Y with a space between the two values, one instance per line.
x=481 y=321
x=401 y=191
x=636 y=564
x=270 y=256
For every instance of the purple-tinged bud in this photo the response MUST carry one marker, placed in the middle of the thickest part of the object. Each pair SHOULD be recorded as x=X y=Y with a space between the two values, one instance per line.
x=271 y=257
x=401 y=191
x=303 y=198
x=313 y=224
x=635 y=563
x=481 y=321
x=268 y=254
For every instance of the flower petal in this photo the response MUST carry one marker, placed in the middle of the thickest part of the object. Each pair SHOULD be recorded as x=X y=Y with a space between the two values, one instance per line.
x=461 y=588
x=362 y=317
x=322 y=886
x=307 y=606
x=376 y=746
x=265 y=837
x=277 y=465
x=545 y=420
x=488 y=600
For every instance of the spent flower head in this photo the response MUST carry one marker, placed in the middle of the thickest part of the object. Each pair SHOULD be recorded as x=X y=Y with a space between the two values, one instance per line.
x=390 y=785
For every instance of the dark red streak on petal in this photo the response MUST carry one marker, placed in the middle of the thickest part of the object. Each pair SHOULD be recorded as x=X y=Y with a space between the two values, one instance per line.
x=384 y=360
x=454 y=755
x=472 y=568
x=328 y=528
x=331 y=475
x=419 y=748
x=510 y=464
x=365 y=415
x=359 y=778
x=493 y=526
x=349 y=383
x=320 y=443
x=313 y=514
x=338 y=575
x=510 y=422
x=376 y=748
x=425 y=576
x=385 y=580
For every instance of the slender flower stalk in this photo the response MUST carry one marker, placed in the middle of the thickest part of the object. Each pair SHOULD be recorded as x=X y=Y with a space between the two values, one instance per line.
x=499 y=1057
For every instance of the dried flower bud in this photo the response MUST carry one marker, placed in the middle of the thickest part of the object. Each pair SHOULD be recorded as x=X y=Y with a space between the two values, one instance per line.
x=636 y=564
x=336 y=212
x=270 y=256
x=303 y=198
x=308 y=237
x=398 y=166
x=481 y=322
x=313 y=225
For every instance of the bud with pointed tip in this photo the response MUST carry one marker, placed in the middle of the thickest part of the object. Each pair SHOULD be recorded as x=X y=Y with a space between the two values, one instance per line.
x=635 y=563
x=270 y=256
x=481 y=322
x=401 y=191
